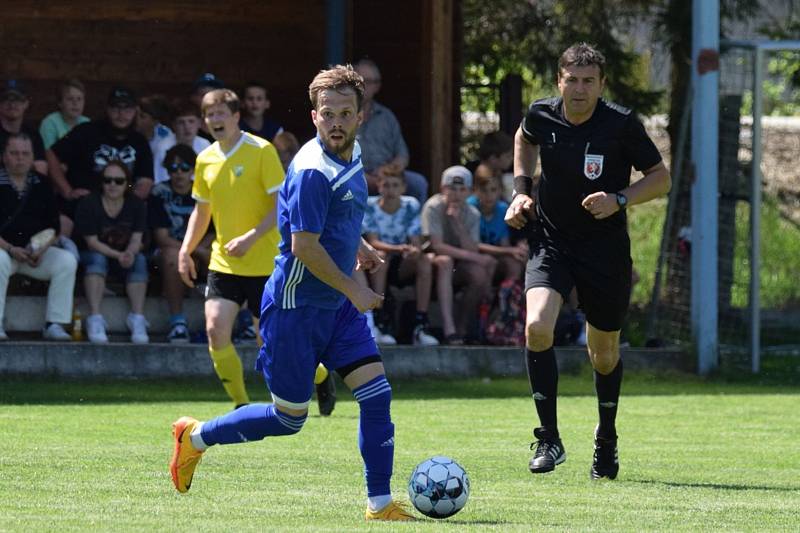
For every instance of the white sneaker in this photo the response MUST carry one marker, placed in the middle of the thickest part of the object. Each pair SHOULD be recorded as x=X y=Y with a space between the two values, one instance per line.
x=96 y=329
x=423 y=338
x=55 y=332
x=137 y=324
x=381 y=337
x=3 y=336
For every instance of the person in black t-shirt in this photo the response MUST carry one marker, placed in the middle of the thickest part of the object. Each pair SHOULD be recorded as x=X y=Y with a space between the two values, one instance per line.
x=169 y=208
x=28 y=230
x=112 y=224
x=13 y=105
x=578 y=236
x=89 y=147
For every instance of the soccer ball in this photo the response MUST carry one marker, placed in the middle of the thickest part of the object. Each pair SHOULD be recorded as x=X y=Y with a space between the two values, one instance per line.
x=438 y=487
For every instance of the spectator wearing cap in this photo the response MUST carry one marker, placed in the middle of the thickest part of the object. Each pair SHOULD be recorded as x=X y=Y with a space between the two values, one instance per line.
x=13 y=105
x=71 y=99
x=453 y=227
x=153 y=111
x=28 y=229
x=87 y=149
x=205 y=83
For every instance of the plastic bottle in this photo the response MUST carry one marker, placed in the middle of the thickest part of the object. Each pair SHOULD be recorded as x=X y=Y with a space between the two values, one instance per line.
x=77 y=325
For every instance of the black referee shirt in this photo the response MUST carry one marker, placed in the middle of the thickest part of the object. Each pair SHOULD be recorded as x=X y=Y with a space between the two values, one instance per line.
x=594 y=156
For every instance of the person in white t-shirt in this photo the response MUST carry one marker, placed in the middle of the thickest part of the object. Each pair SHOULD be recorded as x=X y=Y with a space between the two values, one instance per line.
x=392 y=226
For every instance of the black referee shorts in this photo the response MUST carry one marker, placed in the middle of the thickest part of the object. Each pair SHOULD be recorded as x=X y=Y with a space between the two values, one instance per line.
x=600 y=270
x=237 y=289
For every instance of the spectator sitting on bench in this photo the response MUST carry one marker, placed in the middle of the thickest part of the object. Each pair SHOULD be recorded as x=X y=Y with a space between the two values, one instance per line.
x=71 y=99
x=496 y=154
x=30 y=226
x=391 y=224
x=454 y=230
x=494 y=231
x=169 y=208
x=287 y=146
x=112 y=224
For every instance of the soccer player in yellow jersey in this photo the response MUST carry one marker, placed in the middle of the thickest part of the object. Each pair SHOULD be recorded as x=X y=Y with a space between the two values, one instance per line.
x=236 y=185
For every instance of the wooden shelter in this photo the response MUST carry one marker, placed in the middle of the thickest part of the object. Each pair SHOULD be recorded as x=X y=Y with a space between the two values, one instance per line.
x=162 y=47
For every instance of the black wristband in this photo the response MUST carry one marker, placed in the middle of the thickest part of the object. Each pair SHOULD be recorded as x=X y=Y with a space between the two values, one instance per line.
x=523 y=185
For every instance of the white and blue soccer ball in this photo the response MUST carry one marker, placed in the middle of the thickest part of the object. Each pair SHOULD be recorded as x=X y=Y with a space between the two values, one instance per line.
x=438 y=487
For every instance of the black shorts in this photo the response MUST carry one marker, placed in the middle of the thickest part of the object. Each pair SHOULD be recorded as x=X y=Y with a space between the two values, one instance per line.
x=599 y=269
x=393 y=274
x=237 y=289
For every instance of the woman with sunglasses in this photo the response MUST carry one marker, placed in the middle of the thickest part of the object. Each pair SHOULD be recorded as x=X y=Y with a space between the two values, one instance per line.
x=112 y=224
x=169 y=208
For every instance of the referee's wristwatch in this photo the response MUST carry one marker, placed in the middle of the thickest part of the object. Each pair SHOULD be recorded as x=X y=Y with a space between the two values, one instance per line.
x=622 y=201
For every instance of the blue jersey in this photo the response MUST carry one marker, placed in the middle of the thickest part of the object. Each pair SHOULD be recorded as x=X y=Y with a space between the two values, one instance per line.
x=493 y=228
x=322 y=194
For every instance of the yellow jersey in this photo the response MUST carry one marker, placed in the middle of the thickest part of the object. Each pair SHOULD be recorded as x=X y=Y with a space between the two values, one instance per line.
x=241 y=187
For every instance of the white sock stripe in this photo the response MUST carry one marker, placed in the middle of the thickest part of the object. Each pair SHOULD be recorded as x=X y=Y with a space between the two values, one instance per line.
x=289 y=421
x=362 y=390
x=373 y=391
x=290 y=405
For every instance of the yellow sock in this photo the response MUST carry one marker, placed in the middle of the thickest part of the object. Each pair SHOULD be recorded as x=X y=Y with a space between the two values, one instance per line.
x=228 y=367
x=320 y=374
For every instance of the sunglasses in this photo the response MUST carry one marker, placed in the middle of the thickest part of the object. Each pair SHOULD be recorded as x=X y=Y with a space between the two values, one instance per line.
x=115 y=181
x=174 y=167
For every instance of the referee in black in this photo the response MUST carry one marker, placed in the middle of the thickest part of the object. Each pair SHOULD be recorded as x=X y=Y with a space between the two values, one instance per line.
x=574 y=216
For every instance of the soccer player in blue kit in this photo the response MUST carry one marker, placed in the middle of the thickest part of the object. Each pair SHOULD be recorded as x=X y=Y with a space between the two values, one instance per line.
x=312 y=309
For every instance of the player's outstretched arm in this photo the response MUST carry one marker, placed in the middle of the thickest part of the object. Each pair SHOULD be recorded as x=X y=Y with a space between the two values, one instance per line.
x=306 y=247
x=195 y=230
x=526 y=156
x=655 y=182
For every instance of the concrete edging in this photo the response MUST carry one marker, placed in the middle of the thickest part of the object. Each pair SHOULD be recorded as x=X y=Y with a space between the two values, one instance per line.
x=126 y=360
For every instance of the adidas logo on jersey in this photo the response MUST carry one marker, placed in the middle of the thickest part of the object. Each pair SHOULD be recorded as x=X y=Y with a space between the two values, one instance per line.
x=347 y=196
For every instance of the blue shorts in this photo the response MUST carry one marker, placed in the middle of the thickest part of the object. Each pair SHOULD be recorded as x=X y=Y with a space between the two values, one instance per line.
x=297 y=340
x=97 y=263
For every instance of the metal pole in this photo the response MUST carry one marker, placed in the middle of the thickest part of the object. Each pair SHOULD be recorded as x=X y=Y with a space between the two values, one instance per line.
x=705 y=189
x=755 y=213
x=335 y=30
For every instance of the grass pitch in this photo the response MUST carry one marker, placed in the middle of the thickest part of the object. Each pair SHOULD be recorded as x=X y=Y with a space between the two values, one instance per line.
x=695 y=455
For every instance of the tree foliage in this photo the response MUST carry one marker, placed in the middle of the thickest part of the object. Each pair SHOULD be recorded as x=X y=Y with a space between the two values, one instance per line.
x=527 y=37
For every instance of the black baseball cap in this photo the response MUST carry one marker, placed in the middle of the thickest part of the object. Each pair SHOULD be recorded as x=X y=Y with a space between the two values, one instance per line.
x=13 y=90
x=121 y=97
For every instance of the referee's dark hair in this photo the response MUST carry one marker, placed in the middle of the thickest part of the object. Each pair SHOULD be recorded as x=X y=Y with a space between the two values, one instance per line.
x=582 y=55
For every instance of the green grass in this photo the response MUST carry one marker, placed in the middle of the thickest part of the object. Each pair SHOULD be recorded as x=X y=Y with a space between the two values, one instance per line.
x=696 y=454
x=780 y=250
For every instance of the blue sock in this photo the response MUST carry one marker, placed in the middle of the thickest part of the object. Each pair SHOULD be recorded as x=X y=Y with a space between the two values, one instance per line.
x=376 y=434
x=249 y=423
x=178 y=318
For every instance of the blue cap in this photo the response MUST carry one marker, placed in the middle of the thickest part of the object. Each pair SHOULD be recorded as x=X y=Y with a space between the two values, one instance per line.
x=208 y=80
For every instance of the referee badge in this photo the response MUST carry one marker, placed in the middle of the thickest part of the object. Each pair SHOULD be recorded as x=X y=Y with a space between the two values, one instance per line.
x=592 y=166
